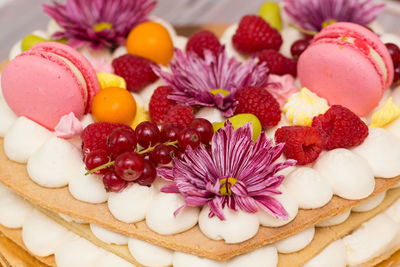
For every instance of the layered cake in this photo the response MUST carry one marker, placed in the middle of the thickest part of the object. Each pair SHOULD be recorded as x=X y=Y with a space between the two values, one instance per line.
x=275 y=143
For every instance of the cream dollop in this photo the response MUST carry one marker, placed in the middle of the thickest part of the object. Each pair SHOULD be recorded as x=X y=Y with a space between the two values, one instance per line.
x=296 y=242
x=68 y=127
x=7 y=118
x=281 y=87
x=263 y=257
x=108 y=236
x=149 y=254
x=335 y=220
x=386 y=114
x=238 y=225
x=183 y=260
x=370 y=204
x=333 y=255
x=14 y=210
x=303 y=106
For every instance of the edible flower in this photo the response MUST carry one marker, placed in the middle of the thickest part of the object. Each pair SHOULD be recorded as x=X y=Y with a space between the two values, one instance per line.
x=236 y=173
x=313 y=15
x=212 y=81
x=386 y=114
x=98 y=22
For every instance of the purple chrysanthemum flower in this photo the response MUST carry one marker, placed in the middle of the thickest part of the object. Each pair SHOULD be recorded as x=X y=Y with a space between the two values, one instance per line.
x=313 y=15
x=98 y=22
x=212 y=81
x=237 y=173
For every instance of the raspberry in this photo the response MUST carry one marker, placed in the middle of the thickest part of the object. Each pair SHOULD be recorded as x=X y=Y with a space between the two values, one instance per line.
x=302 y=143
x=179 y=115
x=95 y=135
x=340 y=127
x=259 y=102
x=135 y=70
x=255 y=34
x=159 y=104
x=277 y=63
x=201 y=41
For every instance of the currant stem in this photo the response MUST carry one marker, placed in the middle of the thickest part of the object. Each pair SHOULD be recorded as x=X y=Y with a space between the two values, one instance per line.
x=303 y=30
x=104 y=166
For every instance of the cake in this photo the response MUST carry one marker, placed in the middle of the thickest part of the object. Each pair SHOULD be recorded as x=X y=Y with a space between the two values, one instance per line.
x=277 y=144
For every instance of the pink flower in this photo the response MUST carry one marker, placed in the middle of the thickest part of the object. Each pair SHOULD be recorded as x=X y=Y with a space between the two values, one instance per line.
x=195 y=80
x=236 y=173
x=313 y=14
x=98 y=22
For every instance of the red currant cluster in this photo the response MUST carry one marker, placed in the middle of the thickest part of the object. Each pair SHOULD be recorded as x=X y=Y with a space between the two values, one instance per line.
x=299 y=46
x=394 y=52
x=133 y=155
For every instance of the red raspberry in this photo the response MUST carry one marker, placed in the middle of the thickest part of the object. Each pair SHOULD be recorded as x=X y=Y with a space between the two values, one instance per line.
x=277 y=63
x=94 y=136
x=159 y=104
x=259 y=102
x=255 y=34
x=302 y=143
x=201 y=41
x=135 y=70
x=179 y=115
x=340 y=127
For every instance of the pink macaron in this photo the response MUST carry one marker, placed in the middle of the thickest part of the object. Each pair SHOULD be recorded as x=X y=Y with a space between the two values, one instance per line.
x=348 y=65
x=49 y=81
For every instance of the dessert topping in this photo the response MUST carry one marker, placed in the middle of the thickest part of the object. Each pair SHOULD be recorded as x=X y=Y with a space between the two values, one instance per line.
x=260 y=102
x=303 y=106
x=340 y=128
x=216 y=179
x=255 y=34
x=281 y=87
x=68 y=126
x=277 y=63
x=179 y=115
x=385 y=115
x=135 y=70
x=160 y=104
x=110 y=80
x=114 y=104
x=201 y=41
x=271 y=12
x=302 y=143
x=240 y=120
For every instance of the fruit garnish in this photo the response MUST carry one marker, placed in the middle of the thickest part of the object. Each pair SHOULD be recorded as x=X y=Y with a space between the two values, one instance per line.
x=201 y=41
x=129 y=166
x=340 y=128
x=394 y=52
x=204 y=128
x=169 y=132
x=100 y=23
x=189 y=137
x=149 y=174
x=254 y=34
x=210 y=172
x=152 y=41
x=161 y=154
x=271 y=12
x=194 y=80
x=298 y=47
x=31 y=40
x=95 y=159
x=115 y=105
x=110 y=80
x=141 y=116
x=302 y=143
x=386 y=114
x=160 y=104
x=240 y=120
x=260 y=102
x=313 y=15
x=303 y=106
x=278 y=63
x=148 y=134
x=137 y=71
x=113 y=183
x=179 y=115
x=121 y=140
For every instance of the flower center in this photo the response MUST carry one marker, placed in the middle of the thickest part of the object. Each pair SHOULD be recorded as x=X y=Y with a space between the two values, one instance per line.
x=102 y=26
x=328 y=22
x=225 y=186
x=219 y=90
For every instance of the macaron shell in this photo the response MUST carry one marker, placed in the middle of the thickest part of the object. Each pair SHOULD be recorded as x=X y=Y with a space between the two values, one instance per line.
x=82 y=64
x=41 y=87
x=347 y=29
x=341 y=74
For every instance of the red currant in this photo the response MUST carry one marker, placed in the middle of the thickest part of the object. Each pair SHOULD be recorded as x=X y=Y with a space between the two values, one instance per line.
x=149 y=174
x=169 y=132
x=162 y=154
x=394 y=52
x=121 y=140
x=129 y=166
x=188 y=137
x=113 y=183
x=204 y=128
x=95 y=159
x=298 y=47
x=396 y=76
x=148 y=134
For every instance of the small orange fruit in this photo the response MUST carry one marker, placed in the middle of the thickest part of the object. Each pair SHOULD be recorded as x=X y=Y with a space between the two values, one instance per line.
x=114 y=104
x=152 y=41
